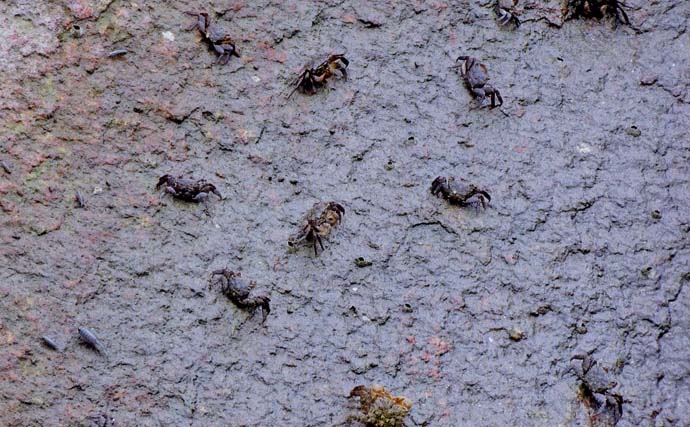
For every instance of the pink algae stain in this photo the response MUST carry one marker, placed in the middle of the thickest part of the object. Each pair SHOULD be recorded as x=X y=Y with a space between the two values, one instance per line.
x=272 y=53
x=80 y=9
x=348 y=19
x=442 y=347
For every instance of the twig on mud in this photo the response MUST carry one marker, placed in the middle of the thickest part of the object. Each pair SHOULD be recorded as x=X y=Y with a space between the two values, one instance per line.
x=176 y=118
x=261 y=134
x=52 y=227
x=394 y=253
x=543 y=18
x=446 y=228
x=188 y=233
x=23 y=273
x=354 y=97
x=105 y=9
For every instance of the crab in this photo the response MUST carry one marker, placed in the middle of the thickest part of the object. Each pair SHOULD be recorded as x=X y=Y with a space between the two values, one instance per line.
x=379 y=408
x=459 y=192
x=311 y=79
x=187 y=190
x=240 y=292
x=315 y=228
x=595 y=391
x=476 y=80
x=216 y=36
x=596 y=9
x=505 y=16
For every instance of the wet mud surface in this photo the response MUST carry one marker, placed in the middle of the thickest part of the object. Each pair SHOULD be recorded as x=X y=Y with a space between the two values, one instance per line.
x=474 y=316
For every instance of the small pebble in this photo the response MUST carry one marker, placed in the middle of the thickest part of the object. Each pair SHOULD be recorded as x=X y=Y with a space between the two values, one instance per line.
x=634 y=131
x=118 y=52
x=645 y=272
x=91 y=339
x=361 y=262
x=648 y=80
x=584 y=148
x=77 y=31
x=516 y=334
x=52 y=343
x=581 y=328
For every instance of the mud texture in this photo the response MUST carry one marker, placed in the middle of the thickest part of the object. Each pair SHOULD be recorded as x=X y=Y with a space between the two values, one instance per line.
x=472 y=315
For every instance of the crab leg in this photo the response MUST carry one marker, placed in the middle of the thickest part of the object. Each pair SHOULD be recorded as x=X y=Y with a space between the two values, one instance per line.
x=317 y=238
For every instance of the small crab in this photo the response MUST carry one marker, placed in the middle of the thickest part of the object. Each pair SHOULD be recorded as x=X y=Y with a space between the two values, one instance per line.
x=459 y=192
x=311 y=79
x=314 y=227
x=606 y=409
x=379 y=408
x=505 y=16
x=187 y=190
x=476 y=80
x=216 y=36
x=240 y=292
x=596 y=9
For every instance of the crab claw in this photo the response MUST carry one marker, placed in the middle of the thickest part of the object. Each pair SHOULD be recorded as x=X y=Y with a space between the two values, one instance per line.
x=621 y=15
x=224 y=272
x=343 y=70
x=587 y=362
x=438 y=184
x=337 y=208
x=294 y=240
x=164 y=180
x=359 y=391
x=484 y=195
x=202 y=21
x=484 y=203
x=338 y=62
x=468 y=62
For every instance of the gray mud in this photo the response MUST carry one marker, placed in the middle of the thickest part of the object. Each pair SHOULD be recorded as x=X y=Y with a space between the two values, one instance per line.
x=584 y=247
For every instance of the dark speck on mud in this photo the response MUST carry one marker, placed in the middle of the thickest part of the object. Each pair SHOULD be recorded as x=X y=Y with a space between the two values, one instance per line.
x=471 y=314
